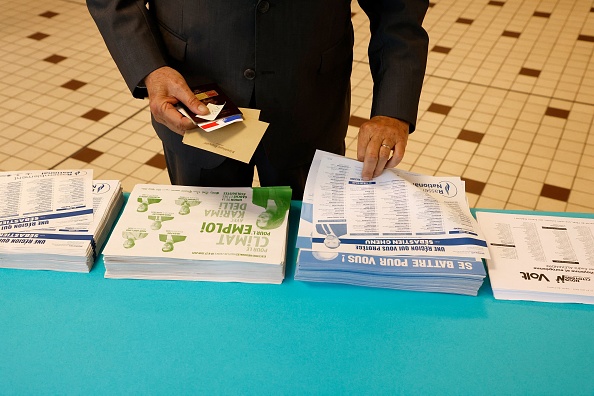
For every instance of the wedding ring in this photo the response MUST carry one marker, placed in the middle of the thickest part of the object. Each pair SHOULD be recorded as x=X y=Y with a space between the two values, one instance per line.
x=386 y=146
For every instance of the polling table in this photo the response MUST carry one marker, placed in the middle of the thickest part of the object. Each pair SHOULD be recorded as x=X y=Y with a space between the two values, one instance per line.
x=66 y=333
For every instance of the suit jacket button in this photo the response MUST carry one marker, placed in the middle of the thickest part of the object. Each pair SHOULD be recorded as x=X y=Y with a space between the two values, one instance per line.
x=249 y=74
x=263 y=6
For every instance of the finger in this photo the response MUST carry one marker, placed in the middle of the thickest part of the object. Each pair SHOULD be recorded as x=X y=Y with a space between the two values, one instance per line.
x=363 y=139
x=173 y=119
x=397 y=154
x=369 y=164
x=187 y=97
x=383 y=157
x=373 y=158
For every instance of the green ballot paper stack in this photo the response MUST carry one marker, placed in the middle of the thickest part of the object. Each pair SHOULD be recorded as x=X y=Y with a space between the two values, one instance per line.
x=201 y=234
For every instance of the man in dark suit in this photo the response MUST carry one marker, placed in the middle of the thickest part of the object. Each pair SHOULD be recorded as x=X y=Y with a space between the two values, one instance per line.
x=291 y=59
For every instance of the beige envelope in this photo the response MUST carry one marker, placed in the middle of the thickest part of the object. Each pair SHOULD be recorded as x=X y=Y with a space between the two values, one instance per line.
x=237 y=141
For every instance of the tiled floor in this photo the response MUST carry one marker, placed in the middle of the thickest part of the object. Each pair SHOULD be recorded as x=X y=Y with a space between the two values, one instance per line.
x=508 y=100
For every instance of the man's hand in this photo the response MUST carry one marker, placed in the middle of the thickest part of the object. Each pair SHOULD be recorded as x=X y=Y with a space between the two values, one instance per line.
x=381 y=144
x=166 y=87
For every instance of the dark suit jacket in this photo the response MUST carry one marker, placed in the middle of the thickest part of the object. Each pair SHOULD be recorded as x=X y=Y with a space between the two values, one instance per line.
x=295 y=56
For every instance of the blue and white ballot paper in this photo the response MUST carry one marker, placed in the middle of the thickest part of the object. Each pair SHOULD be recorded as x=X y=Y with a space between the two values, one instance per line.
x=55 y=220
x=45 y=198
x=400 y=230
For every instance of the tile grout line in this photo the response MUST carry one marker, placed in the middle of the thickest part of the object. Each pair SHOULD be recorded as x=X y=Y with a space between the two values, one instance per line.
x=500 y=89
x=103 y=134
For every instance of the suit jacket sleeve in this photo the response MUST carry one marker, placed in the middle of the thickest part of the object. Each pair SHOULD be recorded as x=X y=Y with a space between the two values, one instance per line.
x=132 y=37
x=397 y=56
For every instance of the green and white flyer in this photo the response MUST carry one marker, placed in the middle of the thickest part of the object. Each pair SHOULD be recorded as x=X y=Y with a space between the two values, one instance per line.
x=181 y=232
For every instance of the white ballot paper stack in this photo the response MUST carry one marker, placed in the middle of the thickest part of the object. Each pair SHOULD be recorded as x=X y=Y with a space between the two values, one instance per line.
x=55 y=220
x=201 y=233
x=400 y=230
x=540 y=258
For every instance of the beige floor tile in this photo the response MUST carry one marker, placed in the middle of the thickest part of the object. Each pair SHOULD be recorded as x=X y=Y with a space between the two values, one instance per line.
x=161 y=178
x=578 y=208
x=496 y=192
x=501 y=180
x=490 y=203
x=550 y=205
x=512 y=206
x=481 y=175
x=560 y=180
x=451 y=169
x=585 y=199
x=523 y=199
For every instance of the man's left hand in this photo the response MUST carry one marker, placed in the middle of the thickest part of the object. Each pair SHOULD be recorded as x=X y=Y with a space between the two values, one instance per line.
x=381 y=144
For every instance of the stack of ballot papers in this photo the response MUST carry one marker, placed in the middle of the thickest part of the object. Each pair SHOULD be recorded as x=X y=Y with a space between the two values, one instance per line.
x=400 y=230
x=55 y=220
x=201 y=233
x=540 y=258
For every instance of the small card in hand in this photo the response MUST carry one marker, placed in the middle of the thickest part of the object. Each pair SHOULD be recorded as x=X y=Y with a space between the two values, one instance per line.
x=222 y=110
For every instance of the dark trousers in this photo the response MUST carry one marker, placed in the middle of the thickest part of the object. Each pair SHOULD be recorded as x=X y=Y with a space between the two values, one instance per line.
x=185 y=169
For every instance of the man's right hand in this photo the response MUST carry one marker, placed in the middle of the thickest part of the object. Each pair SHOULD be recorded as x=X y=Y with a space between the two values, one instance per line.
x=166 y=87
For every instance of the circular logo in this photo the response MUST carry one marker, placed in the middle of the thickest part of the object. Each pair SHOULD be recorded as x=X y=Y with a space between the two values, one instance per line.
x=100 y=188
x=449 y=189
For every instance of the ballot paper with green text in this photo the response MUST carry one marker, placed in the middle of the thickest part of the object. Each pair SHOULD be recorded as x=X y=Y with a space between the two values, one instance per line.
x=201 y=233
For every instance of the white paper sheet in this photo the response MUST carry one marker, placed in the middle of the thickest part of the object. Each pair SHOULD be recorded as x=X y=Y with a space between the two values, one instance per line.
x=396 y=213
x=543 y=258
x=41 y=199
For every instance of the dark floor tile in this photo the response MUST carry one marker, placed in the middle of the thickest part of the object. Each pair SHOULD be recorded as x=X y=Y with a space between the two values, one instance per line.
x=529 y=72
x=583 y=37
x=465 y=21
x=49 y=14
x=442 y=50
x=496 y=3
x=73 y=85
x=541 y=14
x=38 y=36
x=471 y=136
x=554 y=192
x=357 y=121
x=431 y=4
x=86 y=154
x=158 y=161
x=507 y=33
x=474 y=186
x=94 y=114
x=353 y=14
x=438 y=108
x=55 y=58
x=559 y=113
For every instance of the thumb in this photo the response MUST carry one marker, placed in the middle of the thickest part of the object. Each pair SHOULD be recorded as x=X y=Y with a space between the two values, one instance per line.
x=187 y=97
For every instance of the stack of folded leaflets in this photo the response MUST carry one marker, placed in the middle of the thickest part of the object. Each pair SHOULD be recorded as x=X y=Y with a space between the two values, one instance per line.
x=400 y=230
x=55 y=220
x=423 y=273
x=201 y=233
x=537 y=257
